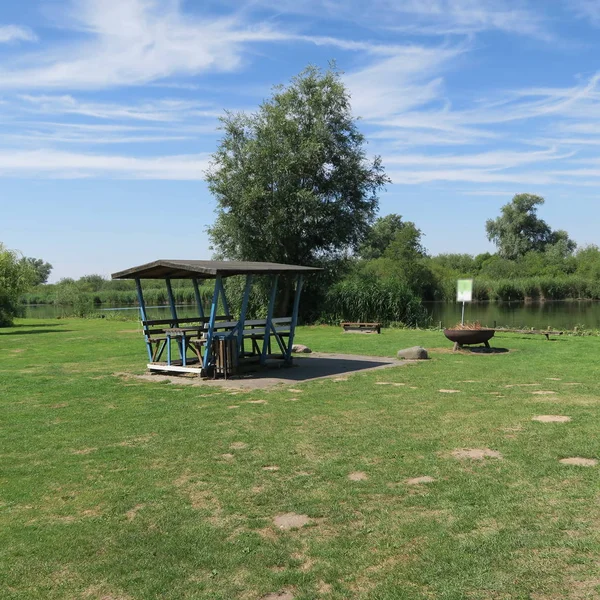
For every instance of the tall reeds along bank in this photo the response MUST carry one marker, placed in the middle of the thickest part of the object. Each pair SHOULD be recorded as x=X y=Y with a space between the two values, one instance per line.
x=370 y=299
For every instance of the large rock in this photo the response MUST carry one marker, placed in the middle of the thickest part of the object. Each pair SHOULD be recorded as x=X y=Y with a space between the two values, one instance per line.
x=300 y=349
x=414 y=353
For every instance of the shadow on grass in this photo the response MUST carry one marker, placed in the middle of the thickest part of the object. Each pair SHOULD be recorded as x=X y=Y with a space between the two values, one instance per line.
x=35 y=331
x=29 y=325
x=482 y=350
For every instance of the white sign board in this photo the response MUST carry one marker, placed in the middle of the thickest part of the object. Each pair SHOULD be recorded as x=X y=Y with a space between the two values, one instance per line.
x=465 y=290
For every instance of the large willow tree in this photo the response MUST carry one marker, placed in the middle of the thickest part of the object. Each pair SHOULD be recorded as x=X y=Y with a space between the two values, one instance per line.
x=292 y=181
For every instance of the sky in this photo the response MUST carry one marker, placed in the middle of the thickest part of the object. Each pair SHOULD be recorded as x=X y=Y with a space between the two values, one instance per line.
x=109 y=114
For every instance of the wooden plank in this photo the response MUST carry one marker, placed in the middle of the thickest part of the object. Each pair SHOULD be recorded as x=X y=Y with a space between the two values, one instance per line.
x=174 y=368
x=183 y=320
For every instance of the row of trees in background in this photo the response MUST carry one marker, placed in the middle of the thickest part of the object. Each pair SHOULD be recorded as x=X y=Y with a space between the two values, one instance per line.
x=390 y=273
x=293 y=184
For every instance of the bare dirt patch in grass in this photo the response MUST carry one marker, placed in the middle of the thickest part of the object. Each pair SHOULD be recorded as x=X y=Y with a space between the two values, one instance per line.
x=136 y=441
x=234 y=406
x=513 y=385
x=419 y=480
x=238 y=446
x=579 y=461
x=551 y=419
x=17 y=351
x=281 y=595
x=476 y=453
x=324 y=588
x=290 y=521
x=257 y=402
x=131 y=514
x=267 y=533
x=85 y=451
x=227 y=456
x=59 y=405
x=358 y=476
x=449 y=391
x=294 y=391
x=271 y=468
x=543 y=393
x=98 y=592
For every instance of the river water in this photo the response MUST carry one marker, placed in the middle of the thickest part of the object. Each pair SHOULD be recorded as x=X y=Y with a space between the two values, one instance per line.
x=541 y=315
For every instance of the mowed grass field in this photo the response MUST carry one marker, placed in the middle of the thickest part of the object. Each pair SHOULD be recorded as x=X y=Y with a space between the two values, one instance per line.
x=115 y=488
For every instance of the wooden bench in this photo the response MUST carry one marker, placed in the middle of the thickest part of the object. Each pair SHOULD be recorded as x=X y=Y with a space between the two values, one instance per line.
x=547 y=333
x=361 y=327
x=253 y=330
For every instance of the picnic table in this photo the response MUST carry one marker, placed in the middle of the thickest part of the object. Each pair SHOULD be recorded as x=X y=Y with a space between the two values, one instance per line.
x=225 y=335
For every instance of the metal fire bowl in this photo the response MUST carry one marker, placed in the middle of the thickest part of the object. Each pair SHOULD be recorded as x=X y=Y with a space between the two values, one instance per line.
x=467 y=337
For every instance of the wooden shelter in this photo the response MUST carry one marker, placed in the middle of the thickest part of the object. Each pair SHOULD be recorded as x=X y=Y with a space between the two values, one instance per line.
x=219 y=343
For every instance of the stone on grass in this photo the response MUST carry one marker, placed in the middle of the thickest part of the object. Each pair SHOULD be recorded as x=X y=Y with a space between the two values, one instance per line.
x=300 y=349
x=414 y=353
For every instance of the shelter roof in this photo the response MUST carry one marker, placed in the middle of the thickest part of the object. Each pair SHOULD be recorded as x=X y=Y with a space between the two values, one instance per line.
x=207 y=269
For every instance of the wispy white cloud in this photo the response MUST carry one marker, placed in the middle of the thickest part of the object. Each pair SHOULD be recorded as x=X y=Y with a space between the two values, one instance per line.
x=586 y=9
x=157 y=110
x=444 y=17
x=399 y=83
x=16 y=33
x=58 y=164
x=428 y=17
x=132 y=42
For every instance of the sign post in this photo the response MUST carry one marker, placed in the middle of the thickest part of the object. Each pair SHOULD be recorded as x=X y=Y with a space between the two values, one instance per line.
x=464 y=294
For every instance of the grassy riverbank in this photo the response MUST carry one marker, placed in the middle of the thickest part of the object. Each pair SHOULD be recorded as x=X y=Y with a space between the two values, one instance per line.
x=114 y=487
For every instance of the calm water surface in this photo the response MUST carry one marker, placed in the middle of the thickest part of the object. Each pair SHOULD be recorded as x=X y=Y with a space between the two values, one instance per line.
x=558 y=315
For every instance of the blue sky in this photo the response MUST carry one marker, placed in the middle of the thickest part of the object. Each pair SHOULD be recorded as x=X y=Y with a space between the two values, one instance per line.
x=109 y=113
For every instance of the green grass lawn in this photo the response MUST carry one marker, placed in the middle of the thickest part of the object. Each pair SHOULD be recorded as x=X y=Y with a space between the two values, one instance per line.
x=114 y=488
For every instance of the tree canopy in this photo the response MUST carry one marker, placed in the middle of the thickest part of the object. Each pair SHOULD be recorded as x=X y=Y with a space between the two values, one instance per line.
x=518 y=230
x=292 y=181
x=41 y=268
x=16 y=277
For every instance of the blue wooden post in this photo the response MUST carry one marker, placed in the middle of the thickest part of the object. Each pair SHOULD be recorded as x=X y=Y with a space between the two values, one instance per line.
x=243 y=311
x=174 y=315
x=267 y=339
x=211 y=322
x=299 y=283
x=198 y=298
x=140 y=295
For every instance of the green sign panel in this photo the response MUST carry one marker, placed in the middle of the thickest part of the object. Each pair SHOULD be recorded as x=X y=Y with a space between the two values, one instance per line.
x=465 y=290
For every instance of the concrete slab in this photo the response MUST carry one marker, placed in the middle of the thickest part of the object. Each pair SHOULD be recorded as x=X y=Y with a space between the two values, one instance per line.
x=305 y=368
